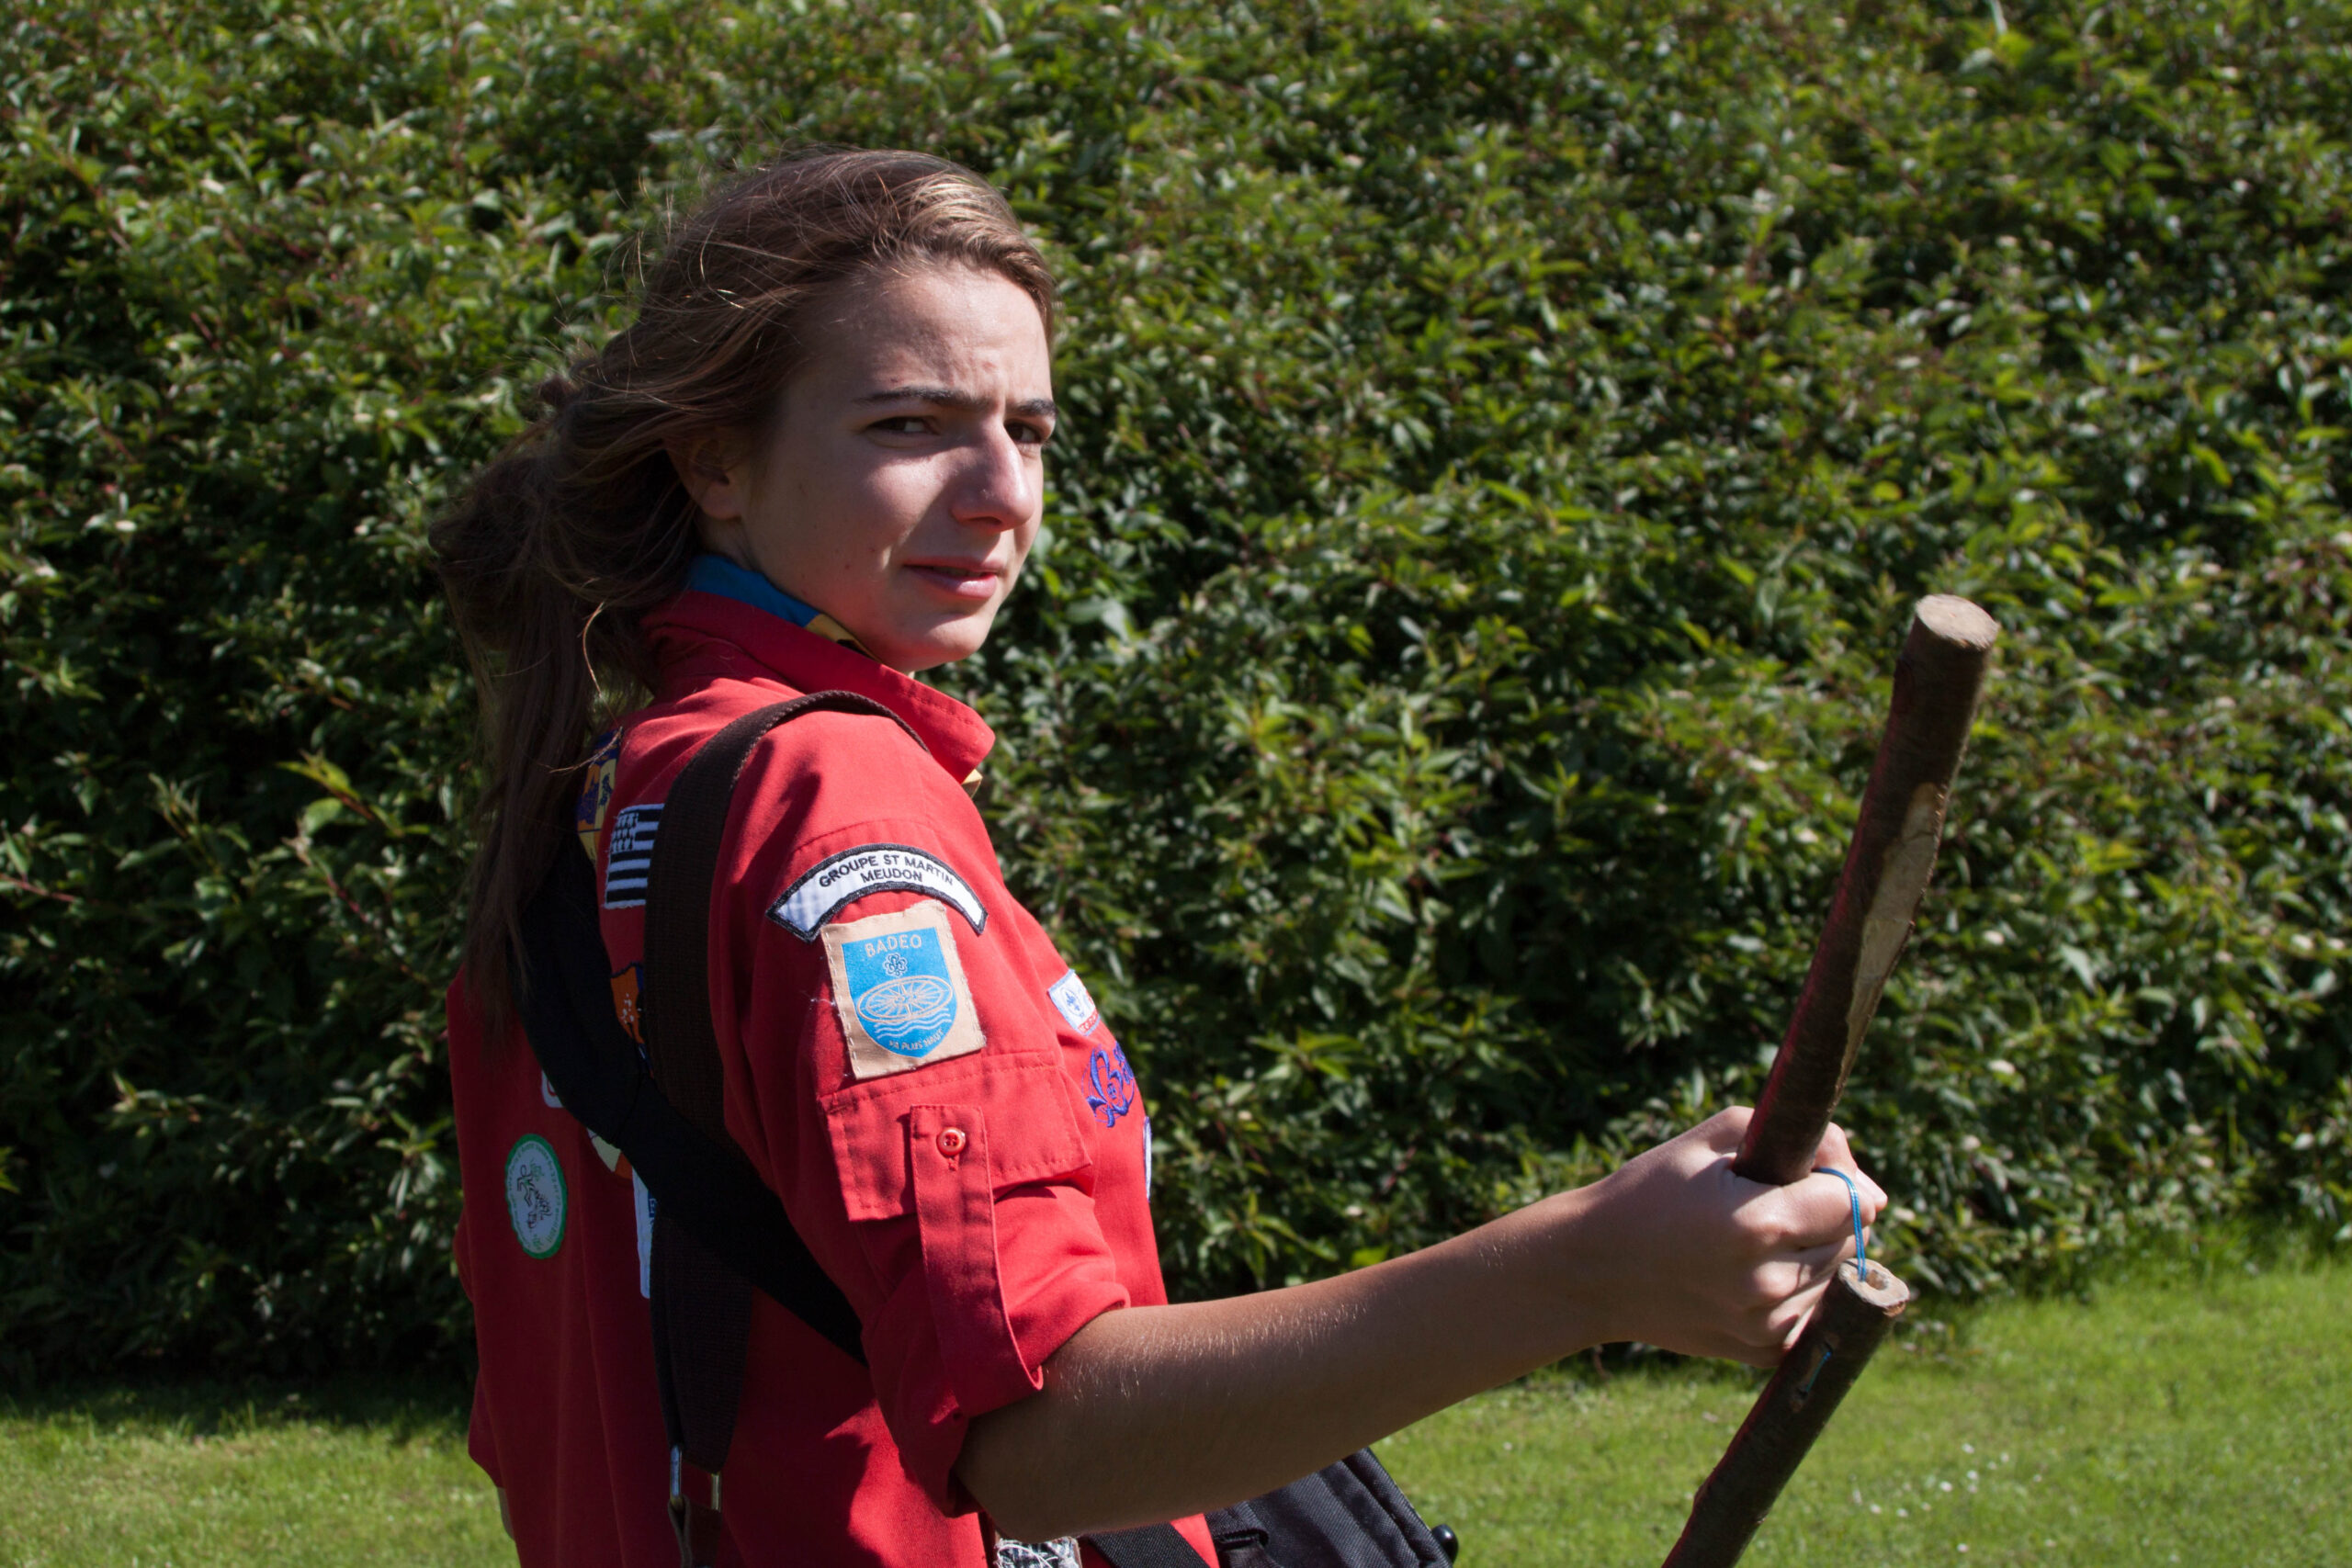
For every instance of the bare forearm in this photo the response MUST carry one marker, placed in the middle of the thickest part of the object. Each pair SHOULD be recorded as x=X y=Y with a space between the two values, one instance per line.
x=1231 y=1398
x=1155 y=1412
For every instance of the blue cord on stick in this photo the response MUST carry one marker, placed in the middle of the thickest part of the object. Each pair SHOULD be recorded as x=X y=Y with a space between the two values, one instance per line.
x=1854 y=1194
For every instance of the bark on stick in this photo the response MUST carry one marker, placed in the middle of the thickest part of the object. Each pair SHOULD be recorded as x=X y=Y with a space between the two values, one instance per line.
x=1936 y=680
x=1853 y=1319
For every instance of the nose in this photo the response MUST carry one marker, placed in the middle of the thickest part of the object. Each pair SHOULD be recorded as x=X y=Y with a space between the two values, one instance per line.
x=998 y=485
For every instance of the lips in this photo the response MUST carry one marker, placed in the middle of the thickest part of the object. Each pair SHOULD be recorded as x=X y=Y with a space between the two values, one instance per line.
x=959 y=579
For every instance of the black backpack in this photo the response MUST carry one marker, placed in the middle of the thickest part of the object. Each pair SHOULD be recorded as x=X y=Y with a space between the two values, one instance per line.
x=719 y=1233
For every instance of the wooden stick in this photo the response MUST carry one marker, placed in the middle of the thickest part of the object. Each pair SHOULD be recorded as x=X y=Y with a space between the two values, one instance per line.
x=1938 y=679
x=1853 y=1319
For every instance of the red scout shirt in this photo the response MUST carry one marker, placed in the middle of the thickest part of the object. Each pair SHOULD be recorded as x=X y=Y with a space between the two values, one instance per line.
x=909 y=1065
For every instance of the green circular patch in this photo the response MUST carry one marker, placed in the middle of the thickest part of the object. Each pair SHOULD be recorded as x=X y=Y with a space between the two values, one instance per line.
x=536 y=1195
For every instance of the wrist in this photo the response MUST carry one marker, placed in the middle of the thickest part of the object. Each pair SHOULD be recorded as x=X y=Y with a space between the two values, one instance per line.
x=1552 y=1267
x=1586 y=1266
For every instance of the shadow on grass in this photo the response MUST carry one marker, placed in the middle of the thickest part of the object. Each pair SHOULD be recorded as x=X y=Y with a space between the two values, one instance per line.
x=399 y=1409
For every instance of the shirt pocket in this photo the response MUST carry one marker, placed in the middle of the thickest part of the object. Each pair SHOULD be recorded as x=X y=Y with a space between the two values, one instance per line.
x=941 y=1146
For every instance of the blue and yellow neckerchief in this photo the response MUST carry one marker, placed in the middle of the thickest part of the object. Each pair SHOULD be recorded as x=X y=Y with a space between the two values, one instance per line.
x=710 y=574
x=717 y=574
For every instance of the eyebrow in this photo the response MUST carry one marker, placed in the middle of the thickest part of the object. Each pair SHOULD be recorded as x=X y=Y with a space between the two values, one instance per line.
x=962 y=403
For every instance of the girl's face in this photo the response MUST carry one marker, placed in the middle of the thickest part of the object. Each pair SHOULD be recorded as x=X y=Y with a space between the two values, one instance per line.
x=899 y=485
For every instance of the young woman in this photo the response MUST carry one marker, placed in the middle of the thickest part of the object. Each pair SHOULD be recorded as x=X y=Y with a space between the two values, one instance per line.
x=815 y=462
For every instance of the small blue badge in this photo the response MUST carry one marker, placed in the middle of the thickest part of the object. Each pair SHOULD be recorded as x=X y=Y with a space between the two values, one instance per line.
x=1071 y=999
x=899 y=982
x=1112 y=1086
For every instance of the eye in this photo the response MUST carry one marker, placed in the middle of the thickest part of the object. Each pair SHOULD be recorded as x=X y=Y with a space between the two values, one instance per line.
x=902 y=424
x=1029 y=435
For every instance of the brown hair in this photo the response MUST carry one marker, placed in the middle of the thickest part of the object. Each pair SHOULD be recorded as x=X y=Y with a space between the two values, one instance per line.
x=558 y=547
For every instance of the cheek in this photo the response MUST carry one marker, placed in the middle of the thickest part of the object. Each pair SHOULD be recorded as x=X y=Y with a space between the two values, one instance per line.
x=904 y=492
x=861 y=510
x=910 y=484
x=1024 y=537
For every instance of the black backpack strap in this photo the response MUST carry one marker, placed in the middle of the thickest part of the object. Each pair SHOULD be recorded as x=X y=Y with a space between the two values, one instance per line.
x=702 y=1307
x=1152 y=1546
x=1348 y=1515
x=598 y=1073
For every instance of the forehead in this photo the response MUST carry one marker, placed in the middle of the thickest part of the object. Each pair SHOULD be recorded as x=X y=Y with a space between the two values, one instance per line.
x=977 y=331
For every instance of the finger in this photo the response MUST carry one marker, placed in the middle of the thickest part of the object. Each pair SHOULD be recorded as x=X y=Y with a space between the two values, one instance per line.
x=1789 y=1321
x=1816 y=1263
x=1723 y=1132
x=1838 y=1153
x=1864 y=1192
x=1817 y=1211
x=1874 y=1200
x=1796 y=1274
x=1731 y=1347
x=1766 y=1333
x=1792 y=1328
x=1754 y=1347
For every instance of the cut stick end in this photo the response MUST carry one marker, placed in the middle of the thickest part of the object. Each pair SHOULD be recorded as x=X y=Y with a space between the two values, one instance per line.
x=1880 y=1289
x=1954 y=620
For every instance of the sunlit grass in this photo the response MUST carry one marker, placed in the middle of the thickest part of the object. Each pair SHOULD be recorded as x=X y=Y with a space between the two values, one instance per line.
x=176 y=1478
x=2204 y=1421
x=2159 y=1422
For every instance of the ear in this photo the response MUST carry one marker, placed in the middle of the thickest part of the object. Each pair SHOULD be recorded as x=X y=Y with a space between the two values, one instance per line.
x=712 y=469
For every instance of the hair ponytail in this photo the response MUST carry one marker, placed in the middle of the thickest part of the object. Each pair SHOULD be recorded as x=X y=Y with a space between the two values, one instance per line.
x=562 y=544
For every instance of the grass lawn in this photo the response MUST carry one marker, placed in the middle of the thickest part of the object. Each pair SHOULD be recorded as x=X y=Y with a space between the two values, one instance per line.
x=2161 y=1421
x=2164 y=1421
x=179 y=1477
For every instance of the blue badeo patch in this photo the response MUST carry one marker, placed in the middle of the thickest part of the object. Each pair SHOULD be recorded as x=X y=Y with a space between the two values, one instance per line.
x=901 y=988
x=899 y=991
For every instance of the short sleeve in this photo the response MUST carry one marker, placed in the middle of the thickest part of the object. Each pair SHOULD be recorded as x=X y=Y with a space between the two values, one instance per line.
x=917 y=1114
x=976 y=1218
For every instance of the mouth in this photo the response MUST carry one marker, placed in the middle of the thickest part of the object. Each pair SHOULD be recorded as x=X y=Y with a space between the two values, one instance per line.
x=974 y=582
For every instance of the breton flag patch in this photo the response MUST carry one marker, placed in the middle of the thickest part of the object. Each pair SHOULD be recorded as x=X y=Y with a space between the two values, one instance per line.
x=631 y=857
x=821 y=892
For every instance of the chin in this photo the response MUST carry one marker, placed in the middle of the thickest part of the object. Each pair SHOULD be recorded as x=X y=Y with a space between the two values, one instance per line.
x=945 y=644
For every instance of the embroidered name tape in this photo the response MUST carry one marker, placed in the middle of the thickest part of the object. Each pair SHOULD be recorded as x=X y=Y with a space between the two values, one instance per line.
x=631 y=857
x=821 y=892
x=899 y=991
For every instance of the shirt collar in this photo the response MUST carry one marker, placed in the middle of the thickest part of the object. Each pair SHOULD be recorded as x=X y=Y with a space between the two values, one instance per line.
x=708 y=633
x=717 y=574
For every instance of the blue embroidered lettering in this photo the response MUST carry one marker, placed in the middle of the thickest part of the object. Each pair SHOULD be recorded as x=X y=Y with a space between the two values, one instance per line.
x=1113 y=1083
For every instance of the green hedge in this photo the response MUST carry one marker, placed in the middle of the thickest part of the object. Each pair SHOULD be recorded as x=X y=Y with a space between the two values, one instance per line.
x=1504 y=441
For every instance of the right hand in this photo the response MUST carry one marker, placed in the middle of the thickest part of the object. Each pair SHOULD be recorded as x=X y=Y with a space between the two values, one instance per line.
x=1685 y=1256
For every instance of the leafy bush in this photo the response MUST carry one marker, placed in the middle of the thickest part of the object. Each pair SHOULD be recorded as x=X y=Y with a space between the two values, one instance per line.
x=1504 y=443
